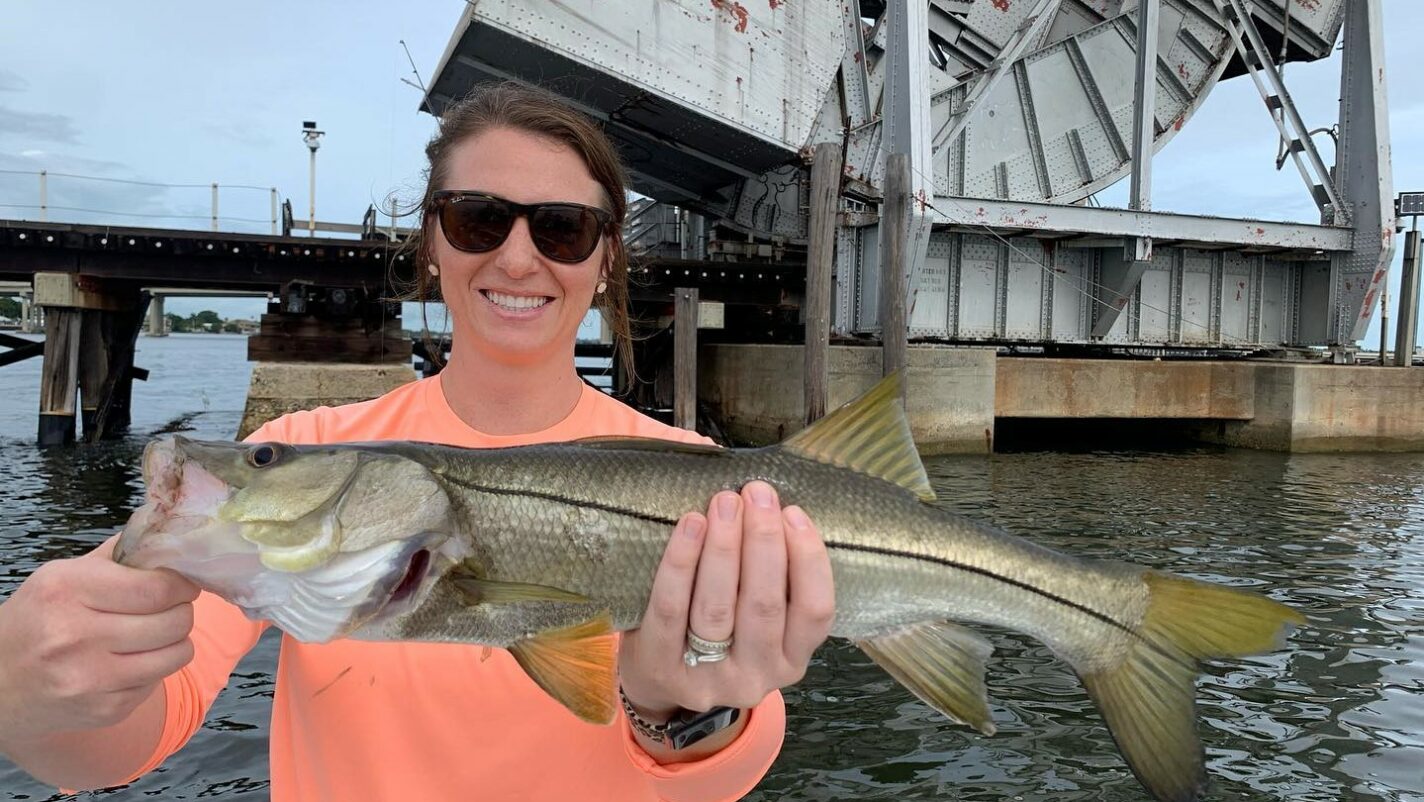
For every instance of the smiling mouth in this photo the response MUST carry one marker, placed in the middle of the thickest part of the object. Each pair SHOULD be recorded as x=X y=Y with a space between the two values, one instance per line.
x=515 y=303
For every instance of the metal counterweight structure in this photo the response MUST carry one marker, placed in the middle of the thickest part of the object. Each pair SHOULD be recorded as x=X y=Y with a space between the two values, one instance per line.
x=1011 y=114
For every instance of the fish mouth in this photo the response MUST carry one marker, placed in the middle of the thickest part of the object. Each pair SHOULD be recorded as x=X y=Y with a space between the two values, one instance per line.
x=176 y=521
x=179 y=528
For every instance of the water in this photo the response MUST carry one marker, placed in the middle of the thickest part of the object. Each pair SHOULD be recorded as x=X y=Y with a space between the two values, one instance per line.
x=1338 y=716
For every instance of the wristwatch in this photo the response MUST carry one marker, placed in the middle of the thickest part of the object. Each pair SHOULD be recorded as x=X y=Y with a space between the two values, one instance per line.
x=685 y=728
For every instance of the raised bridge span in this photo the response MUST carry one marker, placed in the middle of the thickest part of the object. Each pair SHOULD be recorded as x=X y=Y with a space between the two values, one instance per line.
x=1011 y=113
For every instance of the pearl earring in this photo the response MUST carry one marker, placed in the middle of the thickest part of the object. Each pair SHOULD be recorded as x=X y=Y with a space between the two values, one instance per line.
x=433 y=268
x=602 y=285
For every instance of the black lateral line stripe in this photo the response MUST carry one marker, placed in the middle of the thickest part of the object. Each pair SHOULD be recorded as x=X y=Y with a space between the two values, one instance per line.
x=1171 y=654
x=974 y=569
x=877 y=550
x=575 y=502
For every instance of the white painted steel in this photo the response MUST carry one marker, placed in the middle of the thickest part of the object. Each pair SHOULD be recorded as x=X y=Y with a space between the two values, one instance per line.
x=1030 y=290
x=717 y=102
x=1364 y=174
x=761 y=68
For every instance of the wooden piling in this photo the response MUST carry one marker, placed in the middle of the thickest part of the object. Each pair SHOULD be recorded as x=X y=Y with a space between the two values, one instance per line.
x=94 y=336
x=894 y=236
x=59 y=376
x=684 y=358
x=112 y=413
x=820 y=262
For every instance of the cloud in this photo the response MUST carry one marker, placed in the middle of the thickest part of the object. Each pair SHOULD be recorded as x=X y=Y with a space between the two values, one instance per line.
x=10 y=82
x=238 y=136
x=38 y=125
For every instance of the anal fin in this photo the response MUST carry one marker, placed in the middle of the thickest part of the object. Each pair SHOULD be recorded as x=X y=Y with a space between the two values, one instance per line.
x=577 y=665
x=943 y=664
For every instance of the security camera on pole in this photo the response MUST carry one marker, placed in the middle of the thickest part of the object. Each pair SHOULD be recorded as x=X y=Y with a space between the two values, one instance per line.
x=313 y=139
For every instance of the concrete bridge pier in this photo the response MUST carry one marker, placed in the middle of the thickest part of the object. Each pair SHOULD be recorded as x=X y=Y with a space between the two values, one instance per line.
x=323 y=346
x=157 y=324
x=959 y=399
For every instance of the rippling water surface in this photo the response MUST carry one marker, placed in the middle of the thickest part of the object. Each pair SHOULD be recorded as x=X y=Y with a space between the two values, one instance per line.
x=1340 y=715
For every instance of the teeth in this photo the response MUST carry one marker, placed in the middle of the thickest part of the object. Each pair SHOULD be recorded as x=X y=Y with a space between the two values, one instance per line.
x=516 y=301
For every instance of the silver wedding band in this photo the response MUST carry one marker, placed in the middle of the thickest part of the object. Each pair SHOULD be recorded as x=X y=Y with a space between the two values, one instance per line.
x=700 y=650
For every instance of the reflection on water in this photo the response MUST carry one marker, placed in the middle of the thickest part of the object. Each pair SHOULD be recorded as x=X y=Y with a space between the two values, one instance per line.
x=1338 y=716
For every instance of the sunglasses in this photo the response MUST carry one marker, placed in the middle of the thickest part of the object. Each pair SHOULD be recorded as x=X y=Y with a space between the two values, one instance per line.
x=476 y=223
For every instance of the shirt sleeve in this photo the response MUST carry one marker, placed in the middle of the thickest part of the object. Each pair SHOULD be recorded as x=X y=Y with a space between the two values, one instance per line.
x=221 y=636
x=729 y=774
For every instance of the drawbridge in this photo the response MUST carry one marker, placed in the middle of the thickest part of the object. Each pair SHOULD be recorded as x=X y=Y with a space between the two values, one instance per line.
x=1012 y=114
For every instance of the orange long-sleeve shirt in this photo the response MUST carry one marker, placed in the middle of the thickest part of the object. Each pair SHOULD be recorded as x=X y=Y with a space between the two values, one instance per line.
x=355 y=720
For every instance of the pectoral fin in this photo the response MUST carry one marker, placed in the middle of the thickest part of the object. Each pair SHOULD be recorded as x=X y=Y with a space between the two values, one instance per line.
x=943 y=664
x=576 y=665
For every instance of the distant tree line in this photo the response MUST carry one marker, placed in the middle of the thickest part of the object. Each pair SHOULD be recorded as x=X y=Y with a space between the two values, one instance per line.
x=204 y=321
x=10 y=307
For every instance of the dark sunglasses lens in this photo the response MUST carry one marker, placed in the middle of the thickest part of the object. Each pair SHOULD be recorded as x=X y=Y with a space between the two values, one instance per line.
x=565 y=233
x=476 y=224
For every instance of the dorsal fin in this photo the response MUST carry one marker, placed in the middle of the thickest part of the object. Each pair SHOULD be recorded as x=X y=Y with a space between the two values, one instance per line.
x=869 y=435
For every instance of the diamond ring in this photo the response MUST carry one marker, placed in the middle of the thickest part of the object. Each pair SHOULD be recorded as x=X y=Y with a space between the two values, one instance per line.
x=700 y=650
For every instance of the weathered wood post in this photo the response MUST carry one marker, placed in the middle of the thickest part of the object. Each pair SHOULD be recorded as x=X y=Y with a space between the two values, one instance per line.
x=820 y=262
x=684 y=358
x=95 y=335
x=90 y=329
x=113 y=412
x=59 y=376
x=894 y=233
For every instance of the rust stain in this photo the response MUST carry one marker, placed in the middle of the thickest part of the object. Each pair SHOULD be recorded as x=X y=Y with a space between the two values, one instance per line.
x=775 y=4
x=1002 y=5
x=1349 y=285
x=737 y=10
x=1369 y=299
x=1177 y=125
x=858 y=56
x=1182 y=71
x=1260 y=231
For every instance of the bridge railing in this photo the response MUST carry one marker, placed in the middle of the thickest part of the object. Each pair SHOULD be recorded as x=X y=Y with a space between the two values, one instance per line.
x=52 y=197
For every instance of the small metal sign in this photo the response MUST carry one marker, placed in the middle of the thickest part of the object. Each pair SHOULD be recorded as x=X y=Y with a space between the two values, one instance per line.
x=1411 y=204
x=710 y=315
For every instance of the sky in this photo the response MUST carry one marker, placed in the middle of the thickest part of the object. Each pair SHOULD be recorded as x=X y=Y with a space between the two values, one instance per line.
x=176 y=93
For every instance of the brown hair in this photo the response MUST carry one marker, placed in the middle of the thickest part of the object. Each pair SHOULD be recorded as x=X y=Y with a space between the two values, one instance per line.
x=541 y=113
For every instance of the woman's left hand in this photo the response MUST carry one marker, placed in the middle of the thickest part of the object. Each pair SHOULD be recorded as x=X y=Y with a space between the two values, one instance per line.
x=748 y=571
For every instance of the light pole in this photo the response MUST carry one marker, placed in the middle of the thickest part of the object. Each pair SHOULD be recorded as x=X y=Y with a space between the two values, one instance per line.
x=313 y=139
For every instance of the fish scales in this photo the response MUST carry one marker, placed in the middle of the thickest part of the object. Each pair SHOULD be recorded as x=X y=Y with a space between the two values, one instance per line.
x=895 y=559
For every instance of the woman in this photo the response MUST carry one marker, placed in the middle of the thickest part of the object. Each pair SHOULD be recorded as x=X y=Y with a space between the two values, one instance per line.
x=107 y=670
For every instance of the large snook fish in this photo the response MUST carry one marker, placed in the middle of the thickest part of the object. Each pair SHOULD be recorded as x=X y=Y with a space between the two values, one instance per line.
x=544 y=549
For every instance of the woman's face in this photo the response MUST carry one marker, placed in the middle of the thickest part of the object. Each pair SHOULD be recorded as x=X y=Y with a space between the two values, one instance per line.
x=513 y=304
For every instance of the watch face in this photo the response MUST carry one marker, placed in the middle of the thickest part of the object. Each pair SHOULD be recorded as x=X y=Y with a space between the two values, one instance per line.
x=686 y=733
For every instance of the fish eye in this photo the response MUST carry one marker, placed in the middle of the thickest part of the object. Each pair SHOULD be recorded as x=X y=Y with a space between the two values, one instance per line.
x=261 y=456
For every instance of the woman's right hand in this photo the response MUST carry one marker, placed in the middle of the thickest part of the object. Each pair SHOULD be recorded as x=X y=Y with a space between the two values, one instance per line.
x=86 y=640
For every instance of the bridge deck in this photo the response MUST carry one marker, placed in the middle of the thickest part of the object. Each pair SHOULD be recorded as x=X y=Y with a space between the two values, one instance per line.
x=193 y=259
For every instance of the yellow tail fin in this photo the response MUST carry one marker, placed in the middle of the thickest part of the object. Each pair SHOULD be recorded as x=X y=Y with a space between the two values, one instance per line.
x=1147 y=698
